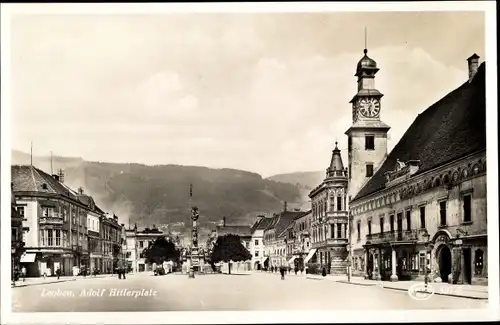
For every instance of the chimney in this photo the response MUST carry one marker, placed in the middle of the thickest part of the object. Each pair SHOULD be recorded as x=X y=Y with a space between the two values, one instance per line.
x=61 y=175
x=285 y=207
x=473 y=65
x=80 y=190
x=56 y=177
x=223 y=221
x=135 y=226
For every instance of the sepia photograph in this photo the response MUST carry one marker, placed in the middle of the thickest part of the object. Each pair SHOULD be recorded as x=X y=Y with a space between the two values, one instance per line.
x=249 y=163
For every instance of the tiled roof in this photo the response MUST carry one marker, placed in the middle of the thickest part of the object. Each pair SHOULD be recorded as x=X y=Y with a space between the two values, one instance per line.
x=452 y=128
x=261 y=224
x=285 y=219
x=27 y=178
x=234 y=230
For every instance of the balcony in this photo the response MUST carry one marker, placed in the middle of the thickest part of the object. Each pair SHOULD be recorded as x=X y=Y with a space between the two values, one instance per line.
x=330 y=242
x=51 y=221
x=402 y=236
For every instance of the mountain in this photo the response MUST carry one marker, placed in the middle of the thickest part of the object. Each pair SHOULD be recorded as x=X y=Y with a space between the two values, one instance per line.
x=159 y=194
x=303 y=180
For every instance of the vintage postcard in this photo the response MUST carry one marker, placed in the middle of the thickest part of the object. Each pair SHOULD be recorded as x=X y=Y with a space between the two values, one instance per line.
x=249 y=163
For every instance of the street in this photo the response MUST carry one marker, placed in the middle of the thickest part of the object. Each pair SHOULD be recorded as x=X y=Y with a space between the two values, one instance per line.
x=218 y=292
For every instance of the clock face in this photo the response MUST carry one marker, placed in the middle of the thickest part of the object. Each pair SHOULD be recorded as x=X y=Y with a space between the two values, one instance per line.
x=369 y=107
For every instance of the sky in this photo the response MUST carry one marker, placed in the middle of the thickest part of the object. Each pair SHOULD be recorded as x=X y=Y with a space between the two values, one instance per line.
x=267 y=93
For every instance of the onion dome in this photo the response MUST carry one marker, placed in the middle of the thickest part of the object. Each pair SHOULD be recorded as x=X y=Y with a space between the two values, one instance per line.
x=366 y=64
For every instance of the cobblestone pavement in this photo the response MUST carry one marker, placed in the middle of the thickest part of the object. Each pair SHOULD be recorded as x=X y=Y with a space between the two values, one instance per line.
x=218 y=292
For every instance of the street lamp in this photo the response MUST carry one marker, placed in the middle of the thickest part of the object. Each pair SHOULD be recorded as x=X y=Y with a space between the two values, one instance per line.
x=426 y=237
x=13 y=251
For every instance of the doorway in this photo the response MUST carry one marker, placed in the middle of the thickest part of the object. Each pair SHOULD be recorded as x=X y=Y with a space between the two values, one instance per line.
x=444 y=263
x=467 y=265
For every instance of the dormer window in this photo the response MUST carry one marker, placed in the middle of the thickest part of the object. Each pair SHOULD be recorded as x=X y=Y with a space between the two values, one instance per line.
x=44 y=186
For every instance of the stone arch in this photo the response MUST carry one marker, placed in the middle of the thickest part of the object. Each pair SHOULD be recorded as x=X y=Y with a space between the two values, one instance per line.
x=446 y=179
x=439 y=233
x=436 y=182
x=476 y=169
x=465 y=173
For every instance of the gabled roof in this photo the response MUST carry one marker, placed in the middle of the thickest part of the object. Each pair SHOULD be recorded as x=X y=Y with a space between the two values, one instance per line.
x=452 y=128
x=27 y=178
x=262 y=224
x=285 y=219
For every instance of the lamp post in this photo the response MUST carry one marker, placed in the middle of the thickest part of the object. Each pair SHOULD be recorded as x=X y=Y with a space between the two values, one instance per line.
x=13 y=252
x=426 y=237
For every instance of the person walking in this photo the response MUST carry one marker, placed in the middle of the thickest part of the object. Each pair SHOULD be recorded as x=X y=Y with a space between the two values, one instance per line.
x=282 y=271
x=23 y=273
x=58 y=272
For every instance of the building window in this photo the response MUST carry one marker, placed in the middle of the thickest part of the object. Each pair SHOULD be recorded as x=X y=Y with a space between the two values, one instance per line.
x=332 y=231
x=339 y=203
x=467 y=208
x=20 y=211
x=369 y=170
x=47 y=212
x=58 y=237
x=422 y=262
x=369 y=227
x=349 y=144
x=392 y=223
x=14 y=234
x=349 y=171
x=422 y=217
x=257 y=254
x=408 y=220
x=50 y=238
x=359 y=230
x=442 y=213
x=256 y=242
x=381 y=225
x=369 y=142
x=43 y=238
x=339 y=230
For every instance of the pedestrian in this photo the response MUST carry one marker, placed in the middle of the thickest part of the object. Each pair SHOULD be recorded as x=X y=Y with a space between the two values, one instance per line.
x=58 y=272
x=23 y=273
x=282 y=271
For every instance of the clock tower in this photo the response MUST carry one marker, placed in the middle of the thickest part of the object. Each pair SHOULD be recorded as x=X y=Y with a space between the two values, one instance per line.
x=367 y=137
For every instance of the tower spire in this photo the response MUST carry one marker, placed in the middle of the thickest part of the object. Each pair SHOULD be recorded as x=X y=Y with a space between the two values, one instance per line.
x=366 y=41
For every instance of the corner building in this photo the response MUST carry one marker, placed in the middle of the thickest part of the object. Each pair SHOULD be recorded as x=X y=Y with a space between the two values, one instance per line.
x=330 y=218
x=421 y=209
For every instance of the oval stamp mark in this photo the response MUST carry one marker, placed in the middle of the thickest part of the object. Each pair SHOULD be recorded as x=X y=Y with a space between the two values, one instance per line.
x=420 y=292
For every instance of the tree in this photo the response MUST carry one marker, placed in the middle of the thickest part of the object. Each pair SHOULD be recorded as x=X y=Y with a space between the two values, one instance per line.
x=161 y=250
x=229 y=248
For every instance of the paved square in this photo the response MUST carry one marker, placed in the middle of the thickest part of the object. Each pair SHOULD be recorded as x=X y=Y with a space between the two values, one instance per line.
x=258 y=291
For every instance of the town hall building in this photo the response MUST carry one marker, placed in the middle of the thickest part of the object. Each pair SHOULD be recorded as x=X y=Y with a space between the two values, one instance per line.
x=422 y=207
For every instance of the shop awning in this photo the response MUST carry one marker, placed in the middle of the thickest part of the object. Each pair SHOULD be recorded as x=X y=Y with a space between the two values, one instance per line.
x=310 y=255
x=292 y=259
x=28 y=258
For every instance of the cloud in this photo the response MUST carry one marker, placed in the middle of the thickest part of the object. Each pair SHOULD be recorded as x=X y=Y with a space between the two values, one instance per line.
x=262 y=93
